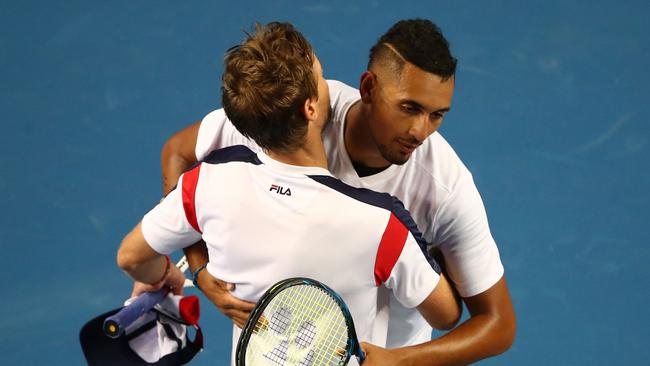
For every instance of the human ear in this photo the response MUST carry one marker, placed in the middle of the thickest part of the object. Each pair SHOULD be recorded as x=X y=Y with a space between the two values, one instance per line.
x=309 y=110
x=367 y=86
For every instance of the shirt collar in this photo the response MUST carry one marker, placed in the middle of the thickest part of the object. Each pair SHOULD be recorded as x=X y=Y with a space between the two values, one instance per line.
x=291 y=169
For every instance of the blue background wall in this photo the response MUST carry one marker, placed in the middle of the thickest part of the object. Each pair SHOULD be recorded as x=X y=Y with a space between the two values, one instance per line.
x=550 y=114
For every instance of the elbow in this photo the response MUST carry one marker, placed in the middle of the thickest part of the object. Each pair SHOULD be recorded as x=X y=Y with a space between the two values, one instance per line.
x=504 y=334
x=508 y=330
x=180 y=147
x=170 y=146
x=134 y=252
x=126 y=259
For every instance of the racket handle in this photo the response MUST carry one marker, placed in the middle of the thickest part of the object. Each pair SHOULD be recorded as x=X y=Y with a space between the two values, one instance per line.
x=115 y=324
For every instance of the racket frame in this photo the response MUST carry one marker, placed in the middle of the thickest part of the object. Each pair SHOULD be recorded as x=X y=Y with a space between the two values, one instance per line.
x=352 y=347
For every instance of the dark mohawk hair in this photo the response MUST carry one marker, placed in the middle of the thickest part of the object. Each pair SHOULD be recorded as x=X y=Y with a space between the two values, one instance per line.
x=417 y=41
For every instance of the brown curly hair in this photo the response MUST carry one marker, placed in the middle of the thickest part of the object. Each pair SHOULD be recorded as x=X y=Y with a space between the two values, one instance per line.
x=266 y=81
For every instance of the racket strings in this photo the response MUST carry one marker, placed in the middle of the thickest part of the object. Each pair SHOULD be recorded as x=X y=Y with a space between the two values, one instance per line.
x=321 y=304
x=281 y=320
x=314 y=302
x=333 y=335
x=306 y=334
x=309 y=360
x=303 y=326
x=279 y=354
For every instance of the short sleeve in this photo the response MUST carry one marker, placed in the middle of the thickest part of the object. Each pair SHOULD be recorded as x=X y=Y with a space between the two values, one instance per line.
x=166 y=227
x=412 y=278
x=216 y=132
x=463 y=234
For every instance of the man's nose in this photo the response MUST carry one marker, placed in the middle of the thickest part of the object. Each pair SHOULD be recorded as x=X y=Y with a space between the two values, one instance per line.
x=420 y=129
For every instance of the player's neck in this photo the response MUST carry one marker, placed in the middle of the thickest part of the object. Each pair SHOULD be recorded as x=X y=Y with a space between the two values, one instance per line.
x=359 y=144
x=311 y=154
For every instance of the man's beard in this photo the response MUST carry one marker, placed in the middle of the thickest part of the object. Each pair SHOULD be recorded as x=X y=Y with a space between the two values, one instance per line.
x=393 y=157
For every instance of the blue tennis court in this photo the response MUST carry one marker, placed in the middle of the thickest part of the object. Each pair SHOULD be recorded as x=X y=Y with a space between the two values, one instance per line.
x=550 y=115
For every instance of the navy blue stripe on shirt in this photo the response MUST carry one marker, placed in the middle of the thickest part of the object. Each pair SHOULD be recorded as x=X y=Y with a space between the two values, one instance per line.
x=232 y=153
x=227 y=155
x=382 y=200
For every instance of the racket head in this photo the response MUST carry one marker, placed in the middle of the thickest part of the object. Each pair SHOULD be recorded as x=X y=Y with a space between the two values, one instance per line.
x=301 y=321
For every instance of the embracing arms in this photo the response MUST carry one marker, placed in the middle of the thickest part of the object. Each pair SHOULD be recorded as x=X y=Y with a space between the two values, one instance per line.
x=488 y=332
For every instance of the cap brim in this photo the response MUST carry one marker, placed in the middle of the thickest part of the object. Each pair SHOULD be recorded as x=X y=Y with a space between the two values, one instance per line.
x=100 y=350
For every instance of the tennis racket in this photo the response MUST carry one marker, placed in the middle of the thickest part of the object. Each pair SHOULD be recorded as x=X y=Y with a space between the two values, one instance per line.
x=298 y=321
x=115 y=325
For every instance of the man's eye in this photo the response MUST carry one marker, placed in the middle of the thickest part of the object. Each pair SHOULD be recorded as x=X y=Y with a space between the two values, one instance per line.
x=437 y=116
x=408 y=109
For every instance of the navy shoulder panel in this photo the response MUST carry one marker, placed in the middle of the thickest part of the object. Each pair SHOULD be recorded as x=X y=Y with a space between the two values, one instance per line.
x=232 y=153
x=382 y=200
x=227 y=155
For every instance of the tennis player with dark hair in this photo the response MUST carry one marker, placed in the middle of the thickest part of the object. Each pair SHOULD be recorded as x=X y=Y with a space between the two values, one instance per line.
x=384 y=137
x=279 y=213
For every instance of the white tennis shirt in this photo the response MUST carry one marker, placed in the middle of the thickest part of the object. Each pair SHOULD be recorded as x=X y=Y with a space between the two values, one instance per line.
x=264 y=221
x=436 y=188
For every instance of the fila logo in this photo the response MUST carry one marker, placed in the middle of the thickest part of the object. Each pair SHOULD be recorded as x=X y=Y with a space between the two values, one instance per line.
x=280 y=190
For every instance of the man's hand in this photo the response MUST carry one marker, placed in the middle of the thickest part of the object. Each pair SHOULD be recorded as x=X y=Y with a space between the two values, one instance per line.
x=377 y=356
x=218 y=292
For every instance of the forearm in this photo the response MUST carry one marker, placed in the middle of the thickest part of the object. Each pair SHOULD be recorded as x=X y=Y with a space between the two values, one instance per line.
x=479 y=337
x=176 y=157
x=442 y=309
x=149 y=272
x=488 y=332
x=197 y=255
x=139 y=260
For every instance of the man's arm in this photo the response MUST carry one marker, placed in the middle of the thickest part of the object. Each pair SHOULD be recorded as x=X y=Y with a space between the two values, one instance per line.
x=414 y=277
x=145 y=265
x=471 y=258
x=178 y=155
x=441 y=308
x=490 y=331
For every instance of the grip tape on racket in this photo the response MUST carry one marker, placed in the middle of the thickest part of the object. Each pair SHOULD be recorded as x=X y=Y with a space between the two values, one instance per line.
x=115 y=325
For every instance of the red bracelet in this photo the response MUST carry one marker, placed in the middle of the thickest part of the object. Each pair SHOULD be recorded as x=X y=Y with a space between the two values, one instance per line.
x=164 y=276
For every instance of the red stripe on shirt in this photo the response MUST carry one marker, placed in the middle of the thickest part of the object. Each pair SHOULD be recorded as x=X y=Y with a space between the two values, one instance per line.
x=190 y=179
x=390 y=247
